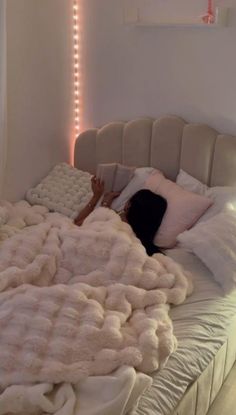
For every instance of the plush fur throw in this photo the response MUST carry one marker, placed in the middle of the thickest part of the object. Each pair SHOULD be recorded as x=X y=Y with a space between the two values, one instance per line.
x=83 y=301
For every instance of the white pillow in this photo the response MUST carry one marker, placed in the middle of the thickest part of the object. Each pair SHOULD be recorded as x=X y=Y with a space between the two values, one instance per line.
x=223 y=197
x=214 y=242
x=191 y=184
x=65 y=190
x=136 y=183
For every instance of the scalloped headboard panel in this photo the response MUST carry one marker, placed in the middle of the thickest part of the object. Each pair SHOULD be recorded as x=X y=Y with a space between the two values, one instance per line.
x=168 y=144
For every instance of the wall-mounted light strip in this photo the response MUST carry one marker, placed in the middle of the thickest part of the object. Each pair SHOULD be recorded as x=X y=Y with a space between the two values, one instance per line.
x=77 y=74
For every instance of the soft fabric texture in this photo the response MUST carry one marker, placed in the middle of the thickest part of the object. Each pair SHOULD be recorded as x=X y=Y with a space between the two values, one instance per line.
x=167 y=143
x=183 y=208
x=115 y=176
x=136 y=183
x=223 y=197
x=84 y=301
x=190 y=183
x=214 y=242
x=203 y=324
x=65 y=190
x=115 y=394
x=14 y=217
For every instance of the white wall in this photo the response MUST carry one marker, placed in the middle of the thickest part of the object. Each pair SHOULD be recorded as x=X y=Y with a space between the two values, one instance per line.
x=3 y=92
x=39 y=90
x=134 y=71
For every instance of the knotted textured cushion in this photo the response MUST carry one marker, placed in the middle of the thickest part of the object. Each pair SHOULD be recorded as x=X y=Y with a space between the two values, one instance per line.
x=65 y=190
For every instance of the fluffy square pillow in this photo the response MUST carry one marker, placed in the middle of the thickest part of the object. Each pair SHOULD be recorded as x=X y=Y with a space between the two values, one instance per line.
x=183 y=210
x=136 y=183
x=65 y=190
x=223 y=197
x=115 y=176
x=214 y=242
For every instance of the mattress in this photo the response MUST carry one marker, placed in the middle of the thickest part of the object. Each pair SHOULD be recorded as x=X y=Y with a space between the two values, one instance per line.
x=201 y=326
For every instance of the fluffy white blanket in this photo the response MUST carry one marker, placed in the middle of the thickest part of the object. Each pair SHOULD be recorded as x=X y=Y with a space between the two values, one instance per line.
x=83 y=301
x=116 y=394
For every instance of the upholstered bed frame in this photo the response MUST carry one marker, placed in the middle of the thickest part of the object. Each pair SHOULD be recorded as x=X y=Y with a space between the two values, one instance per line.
x=170 y=144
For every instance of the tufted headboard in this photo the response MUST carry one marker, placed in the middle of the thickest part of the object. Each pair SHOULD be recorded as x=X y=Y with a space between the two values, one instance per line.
x=168 y=143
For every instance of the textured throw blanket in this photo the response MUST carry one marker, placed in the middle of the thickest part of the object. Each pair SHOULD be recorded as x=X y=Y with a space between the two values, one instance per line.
x=116 y=394
x=83 y=301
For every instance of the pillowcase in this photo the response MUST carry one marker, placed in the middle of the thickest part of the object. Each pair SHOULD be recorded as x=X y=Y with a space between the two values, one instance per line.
x=191 y=184
x=183 y=210
x=115 y=176
x=65 y=190
x=223 y=197
x=136 y=183
x=214 y=242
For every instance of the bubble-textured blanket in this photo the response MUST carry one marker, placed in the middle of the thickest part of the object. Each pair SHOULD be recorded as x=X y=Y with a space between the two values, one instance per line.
x=83 y=301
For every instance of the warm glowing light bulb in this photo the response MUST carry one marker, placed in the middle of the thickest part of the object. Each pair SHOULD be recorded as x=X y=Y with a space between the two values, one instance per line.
x=76 y=53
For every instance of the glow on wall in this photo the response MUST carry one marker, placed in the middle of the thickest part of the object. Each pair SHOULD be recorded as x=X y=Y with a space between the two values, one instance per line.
x=77 y=72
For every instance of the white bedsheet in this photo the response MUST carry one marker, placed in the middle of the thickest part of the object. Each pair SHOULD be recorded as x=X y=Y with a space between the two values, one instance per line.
x=200 y=325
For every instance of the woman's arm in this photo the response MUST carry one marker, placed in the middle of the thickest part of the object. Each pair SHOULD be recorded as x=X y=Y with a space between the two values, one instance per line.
x=108 y=199
x=86 y=211
x=97 y=188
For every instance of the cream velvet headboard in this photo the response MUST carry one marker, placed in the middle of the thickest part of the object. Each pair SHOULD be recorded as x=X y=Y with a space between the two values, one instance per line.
x=168 y=144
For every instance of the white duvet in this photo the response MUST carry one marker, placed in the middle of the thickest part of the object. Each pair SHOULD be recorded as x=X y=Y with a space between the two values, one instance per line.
x=77 y=302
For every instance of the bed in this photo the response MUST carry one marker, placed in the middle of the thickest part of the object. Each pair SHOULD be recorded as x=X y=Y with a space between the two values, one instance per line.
x=194 y=373
x=89 y=313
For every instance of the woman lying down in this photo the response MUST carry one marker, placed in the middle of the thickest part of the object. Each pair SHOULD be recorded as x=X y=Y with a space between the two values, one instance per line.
x=144 y=212
x=77 y=308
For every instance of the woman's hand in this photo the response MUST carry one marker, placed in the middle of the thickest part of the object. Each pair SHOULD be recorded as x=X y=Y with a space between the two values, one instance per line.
x=109 y=197
x=97 y=187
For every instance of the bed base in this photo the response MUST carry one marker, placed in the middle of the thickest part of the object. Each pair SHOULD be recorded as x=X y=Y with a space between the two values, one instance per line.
x=201 y=394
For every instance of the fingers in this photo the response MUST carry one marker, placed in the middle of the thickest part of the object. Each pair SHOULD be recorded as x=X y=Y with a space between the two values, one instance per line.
x=116 y=194
x=97 y=181
x=94 y=179
x=101 y=184
x=113 y=194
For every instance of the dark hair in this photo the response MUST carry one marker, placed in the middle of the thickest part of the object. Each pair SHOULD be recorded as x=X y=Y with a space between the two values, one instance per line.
x=145 y=213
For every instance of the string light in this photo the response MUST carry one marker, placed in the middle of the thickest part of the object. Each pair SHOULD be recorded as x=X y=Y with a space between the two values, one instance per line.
x=76 y=53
